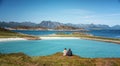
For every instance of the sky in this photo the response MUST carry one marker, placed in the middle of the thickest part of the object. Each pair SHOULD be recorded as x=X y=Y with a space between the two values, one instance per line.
x=64 y=11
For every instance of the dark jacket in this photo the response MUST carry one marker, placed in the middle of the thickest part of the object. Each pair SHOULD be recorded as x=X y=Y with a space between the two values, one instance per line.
x=69 y=52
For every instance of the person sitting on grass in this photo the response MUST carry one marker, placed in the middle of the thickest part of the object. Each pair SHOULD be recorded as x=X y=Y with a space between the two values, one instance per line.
x=64 y=52
x=69 y=53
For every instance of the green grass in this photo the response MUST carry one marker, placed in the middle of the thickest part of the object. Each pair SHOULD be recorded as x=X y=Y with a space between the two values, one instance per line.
x=20 y=59
x=14 y=59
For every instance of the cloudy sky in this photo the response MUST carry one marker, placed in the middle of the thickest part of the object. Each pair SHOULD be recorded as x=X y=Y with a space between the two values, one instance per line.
x=64 y=11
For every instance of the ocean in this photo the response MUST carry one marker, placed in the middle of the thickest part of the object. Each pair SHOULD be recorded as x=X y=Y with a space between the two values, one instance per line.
x=106 y=33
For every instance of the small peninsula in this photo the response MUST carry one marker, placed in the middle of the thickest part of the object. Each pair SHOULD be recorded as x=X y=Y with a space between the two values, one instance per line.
x=4 y=33
x=83 y=35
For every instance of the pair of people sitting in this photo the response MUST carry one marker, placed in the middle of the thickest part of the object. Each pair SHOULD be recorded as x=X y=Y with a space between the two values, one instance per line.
x=67 y=53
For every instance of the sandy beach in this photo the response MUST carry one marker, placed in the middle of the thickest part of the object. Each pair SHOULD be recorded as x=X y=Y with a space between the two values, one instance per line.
x=46 y=38
x=43 y=38
x=10 y=39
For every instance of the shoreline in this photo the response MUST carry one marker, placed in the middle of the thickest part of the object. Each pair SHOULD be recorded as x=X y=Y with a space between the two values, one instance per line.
x=103 y=40
x=11 y=39
x=49 y=38
x=42 y=38
x=90 y=37
x=59 y=37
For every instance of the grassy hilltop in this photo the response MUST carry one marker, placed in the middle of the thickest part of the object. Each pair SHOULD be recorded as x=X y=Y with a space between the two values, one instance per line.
x=20 y=59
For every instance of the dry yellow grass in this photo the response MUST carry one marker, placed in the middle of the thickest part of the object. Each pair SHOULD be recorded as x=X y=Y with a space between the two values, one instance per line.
x=20 y=59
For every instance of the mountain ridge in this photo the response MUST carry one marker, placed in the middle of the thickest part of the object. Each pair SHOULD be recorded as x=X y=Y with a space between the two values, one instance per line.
x=53 y=24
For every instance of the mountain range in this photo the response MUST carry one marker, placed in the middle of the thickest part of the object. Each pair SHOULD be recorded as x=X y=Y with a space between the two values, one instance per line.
x=52 y=25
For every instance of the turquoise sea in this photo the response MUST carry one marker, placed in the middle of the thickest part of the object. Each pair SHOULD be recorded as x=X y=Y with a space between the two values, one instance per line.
x=83 y=48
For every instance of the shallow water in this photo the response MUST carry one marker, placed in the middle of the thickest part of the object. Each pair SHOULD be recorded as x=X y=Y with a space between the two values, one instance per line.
x=83 y=48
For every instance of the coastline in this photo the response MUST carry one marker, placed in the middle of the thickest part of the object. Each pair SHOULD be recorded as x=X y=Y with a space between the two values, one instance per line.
x=58 y=37
x=89 y=37
x=7 y=35
x=42 y=38
x=11 y=39
x=47 y=38
x=103 y=40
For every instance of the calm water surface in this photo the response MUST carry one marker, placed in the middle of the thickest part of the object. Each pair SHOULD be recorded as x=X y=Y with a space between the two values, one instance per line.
x=83 y=48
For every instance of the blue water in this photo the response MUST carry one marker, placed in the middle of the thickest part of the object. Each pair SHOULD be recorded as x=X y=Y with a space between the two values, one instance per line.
x=106 y=33
x=41 y=32
x=83 y=48
x=103 y=33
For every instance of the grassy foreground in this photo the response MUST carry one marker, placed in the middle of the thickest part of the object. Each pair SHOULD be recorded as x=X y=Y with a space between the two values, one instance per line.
x=9 y=34
x=20 y=59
